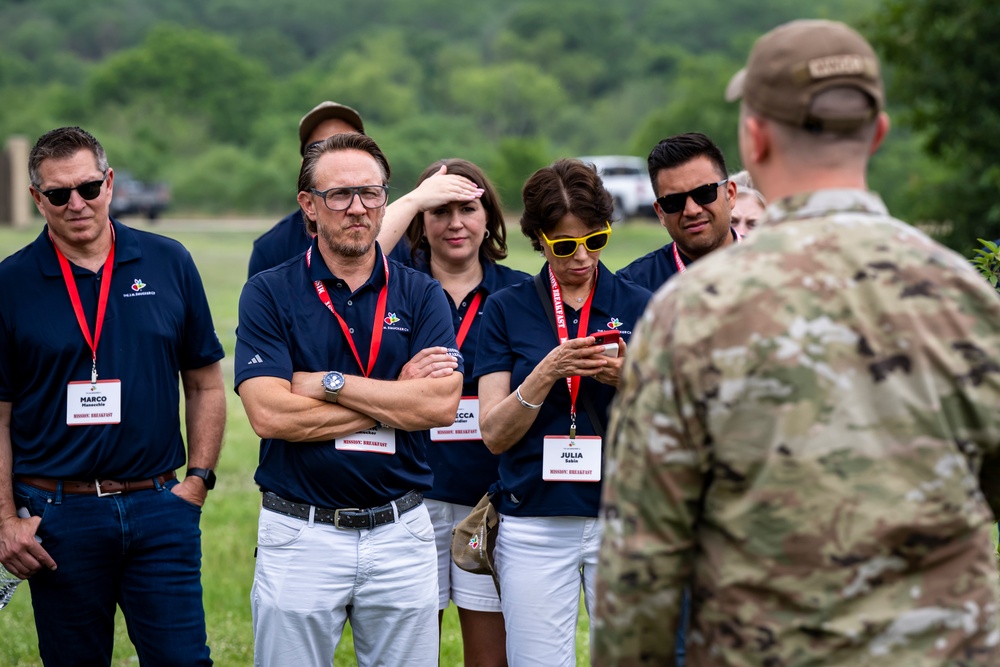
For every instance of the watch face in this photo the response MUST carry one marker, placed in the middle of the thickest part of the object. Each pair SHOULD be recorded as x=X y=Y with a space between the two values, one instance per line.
x=333 y=381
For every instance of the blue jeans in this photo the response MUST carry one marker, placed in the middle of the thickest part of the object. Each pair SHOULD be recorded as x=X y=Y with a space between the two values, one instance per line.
x=140 y=551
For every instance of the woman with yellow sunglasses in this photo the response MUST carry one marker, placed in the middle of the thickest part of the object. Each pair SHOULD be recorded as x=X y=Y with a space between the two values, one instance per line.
x=545 y=386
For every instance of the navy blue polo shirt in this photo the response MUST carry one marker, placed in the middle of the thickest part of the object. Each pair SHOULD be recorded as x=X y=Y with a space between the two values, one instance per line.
x=515 y=335
x=654 y=269
x=285 y=240
x=289 y=238
x=284 y=327
x=157 y=324
x=464 y=470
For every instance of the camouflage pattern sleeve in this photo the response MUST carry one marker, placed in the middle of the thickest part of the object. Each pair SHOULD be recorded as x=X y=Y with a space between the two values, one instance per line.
x=652 y=490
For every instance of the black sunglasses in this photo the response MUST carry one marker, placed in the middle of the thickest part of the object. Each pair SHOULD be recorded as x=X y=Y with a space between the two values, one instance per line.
x=89 y=191
x=702 y=196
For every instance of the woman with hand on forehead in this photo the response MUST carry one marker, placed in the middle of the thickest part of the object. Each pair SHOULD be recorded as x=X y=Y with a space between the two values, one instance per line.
x=459 y=244
x=545 y=386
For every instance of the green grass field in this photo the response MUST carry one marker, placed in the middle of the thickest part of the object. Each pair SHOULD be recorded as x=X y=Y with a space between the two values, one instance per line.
x=221 y=250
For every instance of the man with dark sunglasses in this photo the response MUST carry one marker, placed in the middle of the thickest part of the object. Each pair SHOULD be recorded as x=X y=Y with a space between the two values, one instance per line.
x=813 y=448
x=290 y=238
x=100 y=326
x=694 y=202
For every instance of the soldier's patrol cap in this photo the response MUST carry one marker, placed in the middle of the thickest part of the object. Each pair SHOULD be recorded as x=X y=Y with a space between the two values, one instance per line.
x=326 y=111
x=796 y=61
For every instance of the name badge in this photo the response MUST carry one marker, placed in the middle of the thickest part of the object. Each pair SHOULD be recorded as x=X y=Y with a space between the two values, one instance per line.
x=88 y=403
x=378 y=439
x=577 y=460
x=466 y=426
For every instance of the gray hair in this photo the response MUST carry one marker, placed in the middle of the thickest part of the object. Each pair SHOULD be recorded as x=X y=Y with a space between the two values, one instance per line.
x=60 y=144
x=744 y=186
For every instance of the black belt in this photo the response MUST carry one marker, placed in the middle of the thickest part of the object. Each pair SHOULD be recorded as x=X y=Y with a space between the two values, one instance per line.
x=350 y=517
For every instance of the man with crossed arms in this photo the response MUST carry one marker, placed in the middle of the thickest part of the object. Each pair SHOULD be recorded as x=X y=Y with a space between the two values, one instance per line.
x=320 y=345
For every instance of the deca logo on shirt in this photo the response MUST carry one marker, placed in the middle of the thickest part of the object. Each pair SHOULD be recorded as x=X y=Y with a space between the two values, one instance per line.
x=138 y=288
x=617 y=325
x=391 y=319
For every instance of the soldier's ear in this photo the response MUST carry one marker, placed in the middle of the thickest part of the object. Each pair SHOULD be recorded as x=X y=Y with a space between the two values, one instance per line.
x=881 y=132
x=758 y=137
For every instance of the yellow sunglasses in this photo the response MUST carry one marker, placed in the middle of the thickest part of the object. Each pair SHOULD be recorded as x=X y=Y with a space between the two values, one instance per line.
x=567 y=247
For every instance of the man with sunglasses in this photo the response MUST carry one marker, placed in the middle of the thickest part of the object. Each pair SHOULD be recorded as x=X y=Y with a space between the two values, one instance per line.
x=321 y=343
x=290 y=238
x=814 y=447
x=694 y=204
x=100 y=325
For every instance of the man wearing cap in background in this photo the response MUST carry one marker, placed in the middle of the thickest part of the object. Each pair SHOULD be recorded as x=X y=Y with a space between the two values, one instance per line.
x=814 y=447
x=290 y=238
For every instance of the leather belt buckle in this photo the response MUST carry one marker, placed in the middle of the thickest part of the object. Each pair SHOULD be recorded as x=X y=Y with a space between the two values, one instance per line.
x=101 y=494
x=336 y=515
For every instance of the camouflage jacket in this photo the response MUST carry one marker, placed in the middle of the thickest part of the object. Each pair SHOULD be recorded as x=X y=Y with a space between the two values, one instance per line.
x=807 y=433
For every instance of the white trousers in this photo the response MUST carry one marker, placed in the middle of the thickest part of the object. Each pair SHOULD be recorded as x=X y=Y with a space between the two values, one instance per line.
x=475 y=592
x=311 y=577
x=542 y=563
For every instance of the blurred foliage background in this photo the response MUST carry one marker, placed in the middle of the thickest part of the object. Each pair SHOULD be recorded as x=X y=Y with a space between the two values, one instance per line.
x=207 y=94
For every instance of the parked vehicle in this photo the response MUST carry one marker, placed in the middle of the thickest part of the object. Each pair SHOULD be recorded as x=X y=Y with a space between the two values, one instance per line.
x=134 y=197
x=626 y=178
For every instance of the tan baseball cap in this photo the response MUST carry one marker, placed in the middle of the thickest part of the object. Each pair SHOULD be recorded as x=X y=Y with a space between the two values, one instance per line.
x=326 y=111
x=793 y=63
x=474 y=539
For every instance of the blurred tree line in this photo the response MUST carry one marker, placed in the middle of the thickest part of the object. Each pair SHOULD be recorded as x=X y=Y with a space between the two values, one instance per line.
x=207 y=94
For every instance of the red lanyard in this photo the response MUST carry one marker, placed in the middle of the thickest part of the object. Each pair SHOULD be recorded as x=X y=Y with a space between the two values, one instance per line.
x=557 y=305
x=678 y=262
x=102 y=301
x=681 y=267
x=470 y=315
x=376 y=327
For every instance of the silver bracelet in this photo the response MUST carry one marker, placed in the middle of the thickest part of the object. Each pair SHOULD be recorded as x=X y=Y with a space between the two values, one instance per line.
x=530 y=406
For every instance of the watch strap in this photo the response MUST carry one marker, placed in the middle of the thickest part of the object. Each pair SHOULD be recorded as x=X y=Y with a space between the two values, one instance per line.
x=207 y=475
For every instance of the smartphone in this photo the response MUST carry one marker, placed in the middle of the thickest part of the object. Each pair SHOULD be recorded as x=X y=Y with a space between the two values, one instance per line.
x=610 y=340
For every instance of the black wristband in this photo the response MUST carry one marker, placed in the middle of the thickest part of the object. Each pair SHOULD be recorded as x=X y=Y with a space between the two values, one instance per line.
x=207 y=475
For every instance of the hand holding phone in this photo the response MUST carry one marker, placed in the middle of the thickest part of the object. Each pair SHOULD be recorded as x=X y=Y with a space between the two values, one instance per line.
x=610 y=341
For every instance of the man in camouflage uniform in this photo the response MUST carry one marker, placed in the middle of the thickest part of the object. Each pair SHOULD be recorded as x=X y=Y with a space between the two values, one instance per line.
x=809 y=422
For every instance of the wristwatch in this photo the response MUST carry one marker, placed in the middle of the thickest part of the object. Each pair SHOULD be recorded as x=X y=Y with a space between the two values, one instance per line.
x=333 y=382
x=206 y=474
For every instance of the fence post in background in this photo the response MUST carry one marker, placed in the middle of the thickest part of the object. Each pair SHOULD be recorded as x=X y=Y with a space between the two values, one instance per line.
x=15 y=202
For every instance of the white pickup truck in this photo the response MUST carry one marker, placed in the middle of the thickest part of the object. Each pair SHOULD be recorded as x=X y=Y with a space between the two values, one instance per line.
x=626 y=178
